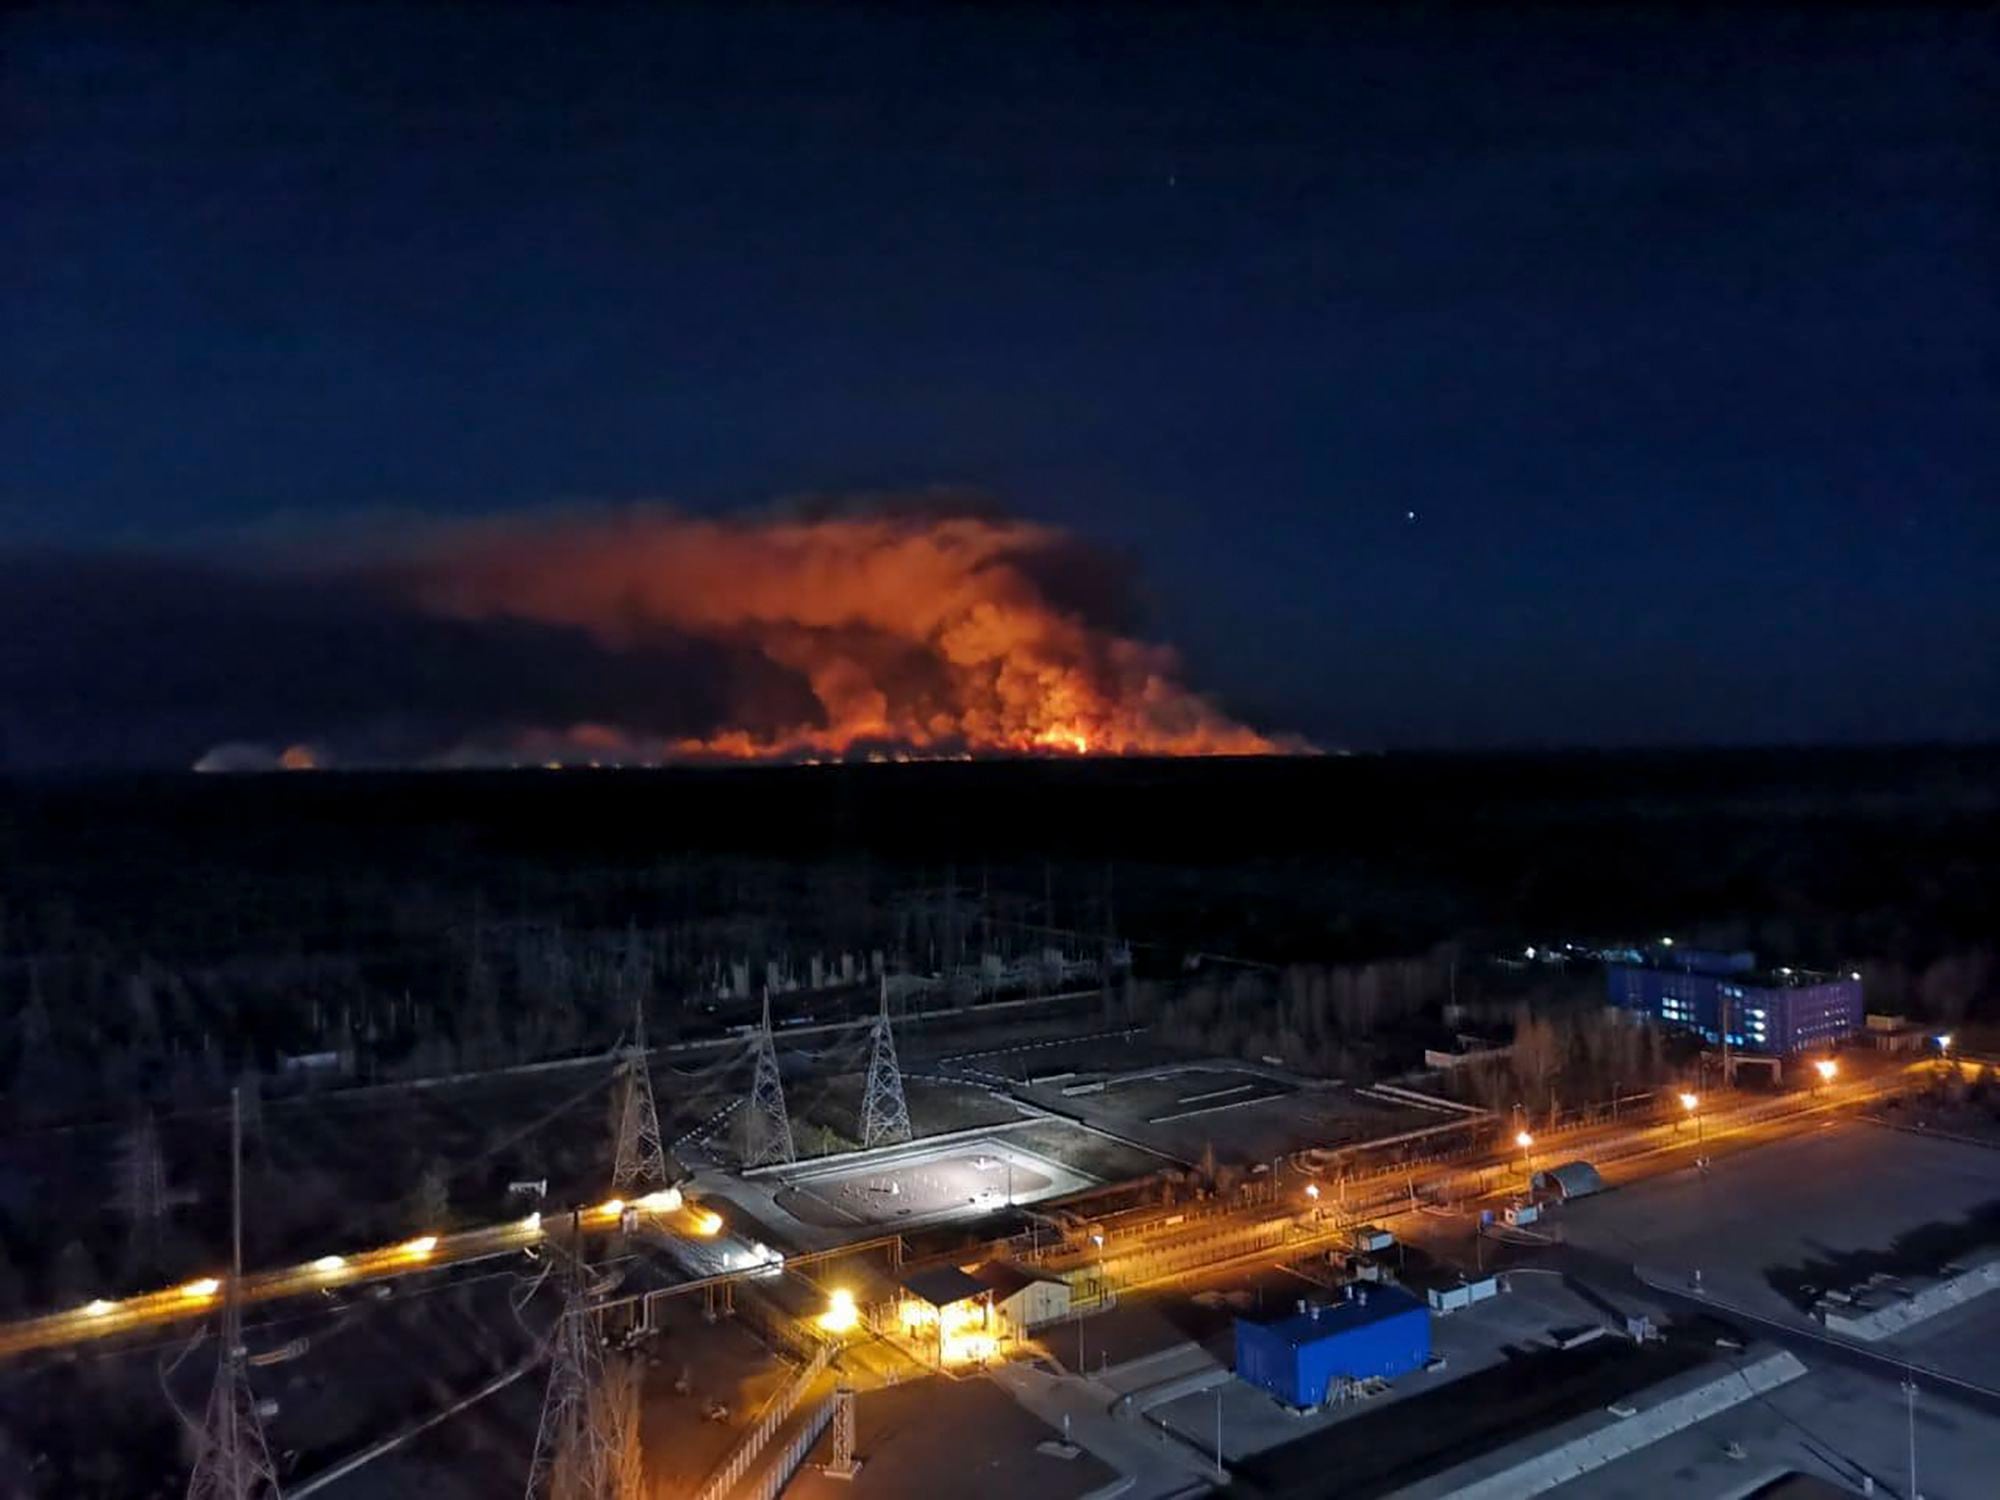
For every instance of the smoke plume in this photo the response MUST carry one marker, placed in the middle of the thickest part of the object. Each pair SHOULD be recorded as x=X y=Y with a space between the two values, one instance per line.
x=635 y=635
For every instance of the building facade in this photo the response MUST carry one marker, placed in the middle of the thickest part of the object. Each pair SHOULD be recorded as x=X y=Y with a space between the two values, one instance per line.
x=1778 y=1012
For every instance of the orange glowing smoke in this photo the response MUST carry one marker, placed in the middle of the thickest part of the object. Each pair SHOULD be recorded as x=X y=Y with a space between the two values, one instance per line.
x=915 y=634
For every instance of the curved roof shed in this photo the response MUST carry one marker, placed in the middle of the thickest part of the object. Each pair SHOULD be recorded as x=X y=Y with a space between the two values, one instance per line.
x=1573 y=1179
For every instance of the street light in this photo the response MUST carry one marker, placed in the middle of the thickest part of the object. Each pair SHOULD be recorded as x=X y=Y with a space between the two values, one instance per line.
x=1526 y=1142
x=1827 y=1069
x=1692 y=1104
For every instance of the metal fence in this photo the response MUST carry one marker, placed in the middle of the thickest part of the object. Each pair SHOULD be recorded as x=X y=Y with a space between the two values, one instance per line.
x=775 y=1476
x=725 y=1479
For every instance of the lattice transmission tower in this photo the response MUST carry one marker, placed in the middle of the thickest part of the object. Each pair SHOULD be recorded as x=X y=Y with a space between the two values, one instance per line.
x=587 y=1446
x=231 y=1461
x=641 y=1160
x=885 y=1114
x=767 y=1127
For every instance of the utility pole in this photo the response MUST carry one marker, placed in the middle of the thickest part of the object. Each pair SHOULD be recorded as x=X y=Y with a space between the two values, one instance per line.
x=885 y=1114
x=1218 y=1432
x=641 y=1159
x=1910 y=1405
x=768 y=1127
x=231 y=1461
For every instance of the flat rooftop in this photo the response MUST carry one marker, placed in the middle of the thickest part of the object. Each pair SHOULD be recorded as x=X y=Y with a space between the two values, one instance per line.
x=1324 y=1320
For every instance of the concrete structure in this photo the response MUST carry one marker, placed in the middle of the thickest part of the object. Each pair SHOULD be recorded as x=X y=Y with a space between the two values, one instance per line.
x=1724 y=997
x=1881 y=1311
x=1378 y=1332
x=1447 y=1297
x=1541 y=1461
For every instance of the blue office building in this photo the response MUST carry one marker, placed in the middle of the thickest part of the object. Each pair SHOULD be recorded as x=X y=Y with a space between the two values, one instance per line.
x=1777 y=1011
x=1379 y=1331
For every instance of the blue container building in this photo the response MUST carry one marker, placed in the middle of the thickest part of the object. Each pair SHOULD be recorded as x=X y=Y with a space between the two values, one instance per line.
x=1379 y=1330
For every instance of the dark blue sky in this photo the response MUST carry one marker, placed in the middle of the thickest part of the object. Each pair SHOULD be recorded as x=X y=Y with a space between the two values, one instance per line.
x=1678 y=335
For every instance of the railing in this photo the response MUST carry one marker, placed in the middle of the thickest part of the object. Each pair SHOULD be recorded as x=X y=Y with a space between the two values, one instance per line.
x=726 y=1478
x=770 y=1483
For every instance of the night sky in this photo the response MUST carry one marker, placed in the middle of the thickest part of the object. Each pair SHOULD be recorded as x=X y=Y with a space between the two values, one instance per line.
x=1442 y=380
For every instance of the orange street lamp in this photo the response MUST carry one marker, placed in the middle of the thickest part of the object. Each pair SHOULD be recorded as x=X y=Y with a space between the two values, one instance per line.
x=1692 y=1104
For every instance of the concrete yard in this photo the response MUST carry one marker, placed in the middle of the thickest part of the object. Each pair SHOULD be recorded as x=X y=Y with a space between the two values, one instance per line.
x=1818 y=1210
x=1821 y=1211
x=1246 y=1112
x=1834 y=1425
x=965 y=1438
x=924 y=1184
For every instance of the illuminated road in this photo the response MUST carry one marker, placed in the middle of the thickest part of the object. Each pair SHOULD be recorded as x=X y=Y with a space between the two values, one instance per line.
x=194 y=1299
x=1130 y=1255
x=1168 y=1246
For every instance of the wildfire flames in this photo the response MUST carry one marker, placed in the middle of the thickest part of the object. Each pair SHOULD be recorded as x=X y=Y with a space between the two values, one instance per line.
x=917 y=635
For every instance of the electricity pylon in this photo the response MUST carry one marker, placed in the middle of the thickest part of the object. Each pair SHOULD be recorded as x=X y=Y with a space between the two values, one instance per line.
x=767 y=1129
x=885 y=1115
x=141 y=1190
x=231 y=1461
x=641 y=1159
x=587 y=1445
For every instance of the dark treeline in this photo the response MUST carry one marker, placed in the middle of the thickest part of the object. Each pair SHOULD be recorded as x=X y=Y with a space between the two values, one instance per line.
x=161 y=936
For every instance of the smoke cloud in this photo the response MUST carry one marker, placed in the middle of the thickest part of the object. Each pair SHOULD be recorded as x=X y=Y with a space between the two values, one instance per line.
x=633 y=635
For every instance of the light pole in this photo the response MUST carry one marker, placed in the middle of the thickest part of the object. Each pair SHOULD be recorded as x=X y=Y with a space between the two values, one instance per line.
x=1910 y=1404
x=1312 y=1193
x=1527 y=1143
x=1692 y=1104
x=1827 y=1070
x=1218 y=1432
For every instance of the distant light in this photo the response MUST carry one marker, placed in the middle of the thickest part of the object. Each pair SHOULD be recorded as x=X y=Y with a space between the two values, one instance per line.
x=1784 y=971
x=199 y=1291
x=708 y=1221
x=665 y=1201
x=1523 y=1140
x=1312 y=1190
x=611 y=1208
x=421 y=1246
x=330 y=1263
x=1690 y=1101
x=97 y=1307
x=1666 y=942
x=1827 y=1067
x=533 y=1223
x=1855 y=976
x=1531 y=953
x=1097 y=1240
x=1944 y=1042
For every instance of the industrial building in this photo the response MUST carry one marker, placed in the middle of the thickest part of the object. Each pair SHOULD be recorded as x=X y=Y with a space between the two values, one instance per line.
x=1725 y=995
x=1022 y=1298
x=1377 y=1332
